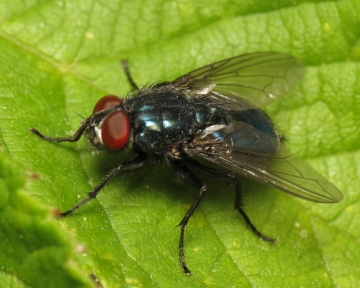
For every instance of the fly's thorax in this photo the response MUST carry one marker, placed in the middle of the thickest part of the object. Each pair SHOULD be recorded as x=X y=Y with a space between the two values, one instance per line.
x=161 y=119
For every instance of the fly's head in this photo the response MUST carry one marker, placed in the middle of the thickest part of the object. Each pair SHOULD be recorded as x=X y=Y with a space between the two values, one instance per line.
x=108 y=127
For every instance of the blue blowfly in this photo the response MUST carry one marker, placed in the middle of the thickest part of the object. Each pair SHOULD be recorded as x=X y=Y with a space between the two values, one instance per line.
x=212 y=114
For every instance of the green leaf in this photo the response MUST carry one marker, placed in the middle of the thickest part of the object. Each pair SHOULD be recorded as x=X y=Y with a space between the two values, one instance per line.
x=33 y=248
x=57 y=58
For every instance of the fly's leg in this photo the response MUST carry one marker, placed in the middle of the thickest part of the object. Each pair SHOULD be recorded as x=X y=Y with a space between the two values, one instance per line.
x=238 y=200
x=72 y=138
x=186 y=174
x=135 y=164
x=125 y=65
x=239 y=207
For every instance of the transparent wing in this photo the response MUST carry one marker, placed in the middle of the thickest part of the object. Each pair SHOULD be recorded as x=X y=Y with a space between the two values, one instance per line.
x=244 y=149
x=258 y=77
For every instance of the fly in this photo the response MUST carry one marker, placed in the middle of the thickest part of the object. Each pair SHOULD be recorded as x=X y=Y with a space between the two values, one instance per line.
x=213 y=114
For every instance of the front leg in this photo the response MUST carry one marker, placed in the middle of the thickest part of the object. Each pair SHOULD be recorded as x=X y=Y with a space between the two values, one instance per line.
x=72 y=138
x=132 y=165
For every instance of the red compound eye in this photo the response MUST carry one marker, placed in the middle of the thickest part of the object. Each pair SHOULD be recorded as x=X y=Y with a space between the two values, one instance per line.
x=107 y=102
x=115 y=130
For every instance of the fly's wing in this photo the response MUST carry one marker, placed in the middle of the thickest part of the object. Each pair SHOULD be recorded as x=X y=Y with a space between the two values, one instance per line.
x=245 y=150
x=257 y=77
x=238 y=86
